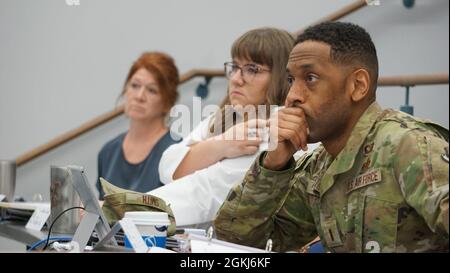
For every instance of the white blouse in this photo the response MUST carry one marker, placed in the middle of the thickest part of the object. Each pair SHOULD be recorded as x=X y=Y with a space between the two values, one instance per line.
x=197 y=197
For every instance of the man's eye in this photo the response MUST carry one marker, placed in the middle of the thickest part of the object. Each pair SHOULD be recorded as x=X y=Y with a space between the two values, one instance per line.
x=311 y=78
x=290 y=80
x=135 y=86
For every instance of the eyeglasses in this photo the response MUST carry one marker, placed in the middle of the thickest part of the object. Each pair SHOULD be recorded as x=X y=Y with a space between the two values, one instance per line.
x=248 y=71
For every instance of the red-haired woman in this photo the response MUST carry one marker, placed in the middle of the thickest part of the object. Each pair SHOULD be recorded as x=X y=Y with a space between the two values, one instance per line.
x=131 y=160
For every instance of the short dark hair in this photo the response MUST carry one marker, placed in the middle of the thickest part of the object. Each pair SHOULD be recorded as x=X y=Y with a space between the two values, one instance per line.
x=350 y=44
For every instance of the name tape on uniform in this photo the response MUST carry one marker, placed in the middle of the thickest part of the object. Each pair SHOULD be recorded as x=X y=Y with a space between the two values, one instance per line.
x=365 y=179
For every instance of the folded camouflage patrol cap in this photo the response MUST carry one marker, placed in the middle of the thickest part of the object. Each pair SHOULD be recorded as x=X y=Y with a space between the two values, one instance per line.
x=118 y=201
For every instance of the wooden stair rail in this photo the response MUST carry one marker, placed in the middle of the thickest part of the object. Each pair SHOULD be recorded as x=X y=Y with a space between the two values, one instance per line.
x=384 y=81
x=201 y=73
x=103 y=118
x=356 y=5
x=338 y=14
x=185 y=77
x=86 y=127
x=414 y=80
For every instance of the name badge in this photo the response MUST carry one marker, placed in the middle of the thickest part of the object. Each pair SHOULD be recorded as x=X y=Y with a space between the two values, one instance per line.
x=365 y=179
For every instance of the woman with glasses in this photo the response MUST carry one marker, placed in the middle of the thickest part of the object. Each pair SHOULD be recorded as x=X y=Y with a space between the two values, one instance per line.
x=130 y=160
x=200 y=171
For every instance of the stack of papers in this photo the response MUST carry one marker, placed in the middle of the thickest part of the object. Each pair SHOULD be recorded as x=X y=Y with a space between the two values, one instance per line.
x=201 y=244
x=25 y=205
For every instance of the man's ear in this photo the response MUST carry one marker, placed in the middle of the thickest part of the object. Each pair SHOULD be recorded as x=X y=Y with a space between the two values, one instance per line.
x=359 y=84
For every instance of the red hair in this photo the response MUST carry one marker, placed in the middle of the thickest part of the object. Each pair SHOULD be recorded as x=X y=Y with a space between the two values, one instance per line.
x=163 y=68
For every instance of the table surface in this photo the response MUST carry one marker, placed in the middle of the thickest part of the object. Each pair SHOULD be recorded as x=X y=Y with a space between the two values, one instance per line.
x=16 y=231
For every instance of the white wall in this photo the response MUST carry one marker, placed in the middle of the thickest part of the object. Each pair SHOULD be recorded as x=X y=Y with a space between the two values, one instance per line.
x=62 y=65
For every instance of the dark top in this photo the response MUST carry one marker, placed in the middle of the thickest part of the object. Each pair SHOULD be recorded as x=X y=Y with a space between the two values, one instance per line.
x=141 y=177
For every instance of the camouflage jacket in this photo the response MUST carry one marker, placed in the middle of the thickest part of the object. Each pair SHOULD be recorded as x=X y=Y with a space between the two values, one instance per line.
x=386 y=191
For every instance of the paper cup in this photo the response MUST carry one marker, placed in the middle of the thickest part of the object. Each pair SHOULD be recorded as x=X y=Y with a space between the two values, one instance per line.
x=152 y=226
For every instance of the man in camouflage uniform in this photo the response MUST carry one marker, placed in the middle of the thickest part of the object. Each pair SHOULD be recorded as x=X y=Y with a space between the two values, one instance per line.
x=379 y=181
